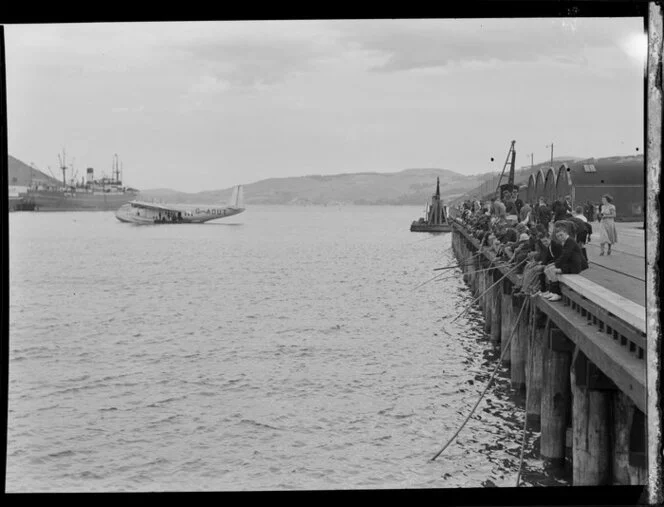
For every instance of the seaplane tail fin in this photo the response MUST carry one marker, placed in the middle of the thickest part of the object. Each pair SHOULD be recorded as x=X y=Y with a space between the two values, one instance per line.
x=237 y=197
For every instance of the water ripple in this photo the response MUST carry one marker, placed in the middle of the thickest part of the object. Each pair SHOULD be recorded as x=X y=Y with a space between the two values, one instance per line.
x=289 y=353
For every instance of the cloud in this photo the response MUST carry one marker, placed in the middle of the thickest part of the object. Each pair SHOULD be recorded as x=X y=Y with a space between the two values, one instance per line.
x=420 y=44
x=138 y=109
x=255 y=54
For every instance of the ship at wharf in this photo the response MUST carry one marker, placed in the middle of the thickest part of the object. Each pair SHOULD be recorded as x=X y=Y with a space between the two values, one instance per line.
x=580 y=362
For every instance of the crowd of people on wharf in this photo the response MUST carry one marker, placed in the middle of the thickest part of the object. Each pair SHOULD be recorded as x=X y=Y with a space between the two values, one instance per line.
x=539 y=241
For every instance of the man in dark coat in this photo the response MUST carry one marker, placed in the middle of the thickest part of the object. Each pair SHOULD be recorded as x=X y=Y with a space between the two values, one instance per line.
x=570 y=261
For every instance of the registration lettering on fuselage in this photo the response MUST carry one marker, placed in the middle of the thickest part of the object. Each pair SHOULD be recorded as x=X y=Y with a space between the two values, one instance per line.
x=215 y=211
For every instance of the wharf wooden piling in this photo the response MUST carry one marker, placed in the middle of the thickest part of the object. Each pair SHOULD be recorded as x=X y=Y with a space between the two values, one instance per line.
x=629 y=445
x=555 y=394
x=481 y=286
x=477 y=265
x=471 y=270
x=591 y=422
x=506 y=319
x=486 y=299
x=535 y=371
x=496 y=306
x=463 y=256
x=518 y=346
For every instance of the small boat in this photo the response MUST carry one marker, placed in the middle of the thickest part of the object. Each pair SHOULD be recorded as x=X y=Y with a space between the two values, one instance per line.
x=435 y=216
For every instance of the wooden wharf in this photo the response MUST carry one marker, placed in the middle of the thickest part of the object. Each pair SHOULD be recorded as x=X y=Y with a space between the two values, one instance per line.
x=581 y=361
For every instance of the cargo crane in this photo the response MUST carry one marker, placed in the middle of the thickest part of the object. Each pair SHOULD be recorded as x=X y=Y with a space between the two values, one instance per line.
x=509 y=186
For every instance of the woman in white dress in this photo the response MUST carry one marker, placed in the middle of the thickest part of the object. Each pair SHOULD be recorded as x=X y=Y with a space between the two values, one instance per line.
x=607 y=227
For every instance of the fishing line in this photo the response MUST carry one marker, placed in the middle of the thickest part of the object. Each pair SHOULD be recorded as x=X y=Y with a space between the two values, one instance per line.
x=462 y=264
x=488 y=289
x=438 y=277
x=476 y=271
x=498 y=365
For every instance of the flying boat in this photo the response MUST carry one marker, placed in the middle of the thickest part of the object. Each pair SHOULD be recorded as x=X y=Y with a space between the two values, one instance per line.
x=143 y=212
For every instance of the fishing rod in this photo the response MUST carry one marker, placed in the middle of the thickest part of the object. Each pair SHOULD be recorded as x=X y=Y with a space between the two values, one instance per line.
x=466 y=263
x=485 y=269
x=424 y=283
x=498 y=365
x=440 y=275
x=488 y=289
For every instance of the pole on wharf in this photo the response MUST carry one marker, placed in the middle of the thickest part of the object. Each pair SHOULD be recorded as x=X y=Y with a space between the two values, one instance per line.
x=518 y=347
x=495 y=302
x=591 y=424
x=507 y=316
x=535 y=370
x=556 y=394
x=629 y=442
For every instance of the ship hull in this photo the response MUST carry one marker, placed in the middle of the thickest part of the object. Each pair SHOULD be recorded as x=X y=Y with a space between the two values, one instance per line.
x=424 y=227
x=56 y=201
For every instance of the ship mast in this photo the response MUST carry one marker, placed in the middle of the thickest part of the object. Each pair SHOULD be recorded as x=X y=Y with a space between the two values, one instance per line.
x=115 y=174
x=63 y=167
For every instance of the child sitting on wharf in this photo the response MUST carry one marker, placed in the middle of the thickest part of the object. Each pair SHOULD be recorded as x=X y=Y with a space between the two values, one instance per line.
x=570 y=261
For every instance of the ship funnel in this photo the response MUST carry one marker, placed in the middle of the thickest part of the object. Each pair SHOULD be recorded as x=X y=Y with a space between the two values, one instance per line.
x=90 y=175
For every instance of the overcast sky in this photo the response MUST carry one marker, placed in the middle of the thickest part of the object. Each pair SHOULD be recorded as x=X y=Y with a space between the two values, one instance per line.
x=206 y=105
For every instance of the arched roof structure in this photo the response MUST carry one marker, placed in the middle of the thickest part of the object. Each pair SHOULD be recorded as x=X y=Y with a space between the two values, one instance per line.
x=563 y=182
x=539 y=184
x=550 y=185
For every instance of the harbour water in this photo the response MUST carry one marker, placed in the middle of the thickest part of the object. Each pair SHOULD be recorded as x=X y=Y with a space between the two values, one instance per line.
x=281 y=349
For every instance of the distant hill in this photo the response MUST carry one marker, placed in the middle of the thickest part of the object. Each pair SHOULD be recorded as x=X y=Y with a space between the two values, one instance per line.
x=22 y=175
x=412 y=186
x=407 y=187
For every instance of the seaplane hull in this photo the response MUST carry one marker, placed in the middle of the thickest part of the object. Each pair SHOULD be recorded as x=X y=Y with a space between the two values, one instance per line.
x=147 y=213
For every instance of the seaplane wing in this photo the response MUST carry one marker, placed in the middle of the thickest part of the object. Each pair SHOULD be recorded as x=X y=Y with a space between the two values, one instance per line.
x=152 y=206
x=143 y=212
